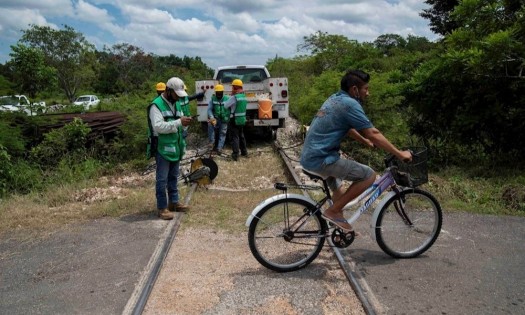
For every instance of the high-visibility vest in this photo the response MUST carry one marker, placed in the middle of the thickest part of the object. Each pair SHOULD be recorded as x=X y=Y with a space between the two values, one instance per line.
x=218 y=108
x=240 y=109
x=170 y=145
x=184 y=104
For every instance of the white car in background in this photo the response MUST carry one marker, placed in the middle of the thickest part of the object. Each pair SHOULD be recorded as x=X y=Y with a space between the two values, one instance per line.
x=87 y=101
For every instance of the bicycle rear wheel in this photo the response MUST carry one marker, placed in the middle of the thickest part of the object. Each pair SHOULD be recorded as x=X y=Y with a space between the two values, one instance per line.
x=287 y=235
x=408 y=224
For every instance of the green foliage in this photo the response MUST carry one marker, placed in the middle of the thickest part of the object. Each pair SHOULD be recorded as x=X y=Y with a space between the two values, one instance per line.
x=439 y=15
x=66 y=51
x=25 y=177
x=70 y=140
x=472 y=95
x=70 y=170
x=5 y=170
x=30 y=71
x=328 y=51
x=11 y=138
x=319 y=89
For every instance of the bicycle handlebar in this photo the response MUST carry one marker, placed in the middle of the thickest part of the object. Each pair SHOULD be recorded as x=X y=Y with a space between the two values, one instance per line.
x=389 y=159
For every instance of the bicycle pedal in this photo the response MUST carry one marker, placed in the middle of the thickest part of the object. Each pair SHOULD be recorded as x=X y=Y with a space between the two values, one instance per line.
x=341 y=239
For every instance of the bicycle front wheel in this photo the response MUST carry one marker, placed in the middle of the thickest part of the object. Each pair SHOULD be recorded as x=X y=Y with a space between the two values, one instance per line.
x=408 y=224
x=287 y=235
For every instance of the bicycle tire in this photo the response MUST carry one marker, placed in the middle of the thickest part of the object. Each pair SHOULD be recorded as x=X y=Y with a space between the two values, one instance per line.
x=399 y=239
x=278 y=248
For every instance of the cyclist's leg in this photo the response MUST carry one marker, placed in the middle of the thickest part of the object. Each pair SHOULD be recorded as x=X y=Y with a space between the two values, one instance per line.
x=362 y=177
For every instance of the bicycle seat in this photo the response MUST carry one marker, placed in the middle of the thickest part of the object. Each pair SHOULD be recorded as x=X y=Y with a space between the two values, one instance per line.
x=314 y=175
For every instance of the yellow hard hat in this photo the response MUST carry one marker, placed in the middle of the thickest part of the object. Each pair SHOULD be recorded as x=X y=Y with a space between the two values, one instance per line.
x=219 y=88
x=161 y=86
x=237 y=82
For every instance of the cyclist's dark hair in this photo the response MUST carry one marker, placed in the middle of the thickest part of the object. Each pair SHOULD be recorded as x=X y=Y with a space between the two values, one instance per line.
x=354 y=77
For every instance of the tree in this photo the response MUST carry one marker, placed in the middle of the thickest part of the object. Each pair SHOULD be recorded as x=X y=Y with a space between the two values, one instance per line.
x=30 y=72
x=439 y=16
x=130 y=65
x=473 y=94
x=387 y=42
x=329 y=50
x=67 y=51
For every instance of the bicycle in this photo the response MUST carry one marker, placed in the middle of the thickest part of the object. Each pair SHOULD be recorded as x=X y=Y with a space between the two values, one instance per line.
x=286 y=232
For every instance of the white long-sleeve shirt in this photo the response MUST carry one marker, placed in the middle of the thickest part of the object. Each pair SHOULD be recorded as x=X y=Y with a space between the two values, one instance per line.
x=158 y=124
x=231 y=104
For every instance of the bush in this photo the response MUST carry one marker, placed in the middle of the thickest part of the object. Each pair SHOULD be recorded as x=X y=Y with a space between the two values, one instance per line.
x=5 y=170
x=69 y=140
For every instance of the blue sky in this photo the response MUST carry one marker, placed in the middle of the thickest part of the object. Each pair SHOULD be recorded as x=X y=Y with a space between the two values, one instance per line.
x=221 y=32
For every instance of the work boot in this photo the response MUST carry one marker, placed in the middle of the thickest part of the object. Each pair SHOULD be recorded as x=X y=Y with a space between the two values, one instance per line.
x=178 y=207
x=165 y=214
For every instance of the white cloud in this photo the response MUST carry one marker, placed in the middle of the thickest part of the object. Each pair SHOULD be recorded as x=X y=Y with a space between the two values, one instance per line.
x=90 y=13
x=221 y=31
x=15 y=20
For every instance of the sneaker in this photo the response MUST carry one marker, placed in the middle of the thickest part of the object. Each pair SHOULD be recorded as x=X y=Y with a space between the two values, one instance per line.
x=165 y=214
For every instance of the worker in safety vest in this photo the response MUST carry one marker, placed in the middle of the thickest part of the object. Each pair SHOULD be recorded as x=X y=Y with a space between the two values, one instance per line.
x=218 y=117
x=237 y=105
x=166 y=122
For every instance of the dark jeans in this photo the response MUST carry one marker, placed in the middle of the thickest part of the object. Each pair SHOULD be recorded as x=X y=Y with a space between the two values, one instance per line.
x=166 y=181
x=238 y=140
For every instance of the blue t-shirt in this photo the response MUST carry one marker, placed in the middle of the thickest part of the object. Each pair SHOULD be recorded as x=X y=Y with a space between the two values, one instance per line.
x=337 y=116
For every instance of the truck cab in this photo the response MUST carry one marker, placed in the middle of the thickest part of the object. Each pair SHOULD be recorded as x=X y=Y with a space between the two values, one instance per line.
x=20 y=103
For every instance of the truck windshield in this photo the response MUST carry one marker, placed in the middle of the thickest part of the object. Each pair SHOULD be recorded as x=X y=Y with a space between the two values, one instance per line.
x=245 y=75
x=8 y=100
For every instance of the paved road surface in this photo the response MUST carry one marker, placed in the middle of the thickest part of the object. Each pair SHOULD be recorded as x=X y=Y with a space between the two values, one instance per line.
x=477 y=266
x=90 y=268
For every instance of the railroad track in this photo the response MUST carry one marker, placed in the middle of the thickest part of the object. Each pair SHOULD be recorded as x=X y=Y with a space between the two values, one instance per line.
x=290 y=155
x=288 y=145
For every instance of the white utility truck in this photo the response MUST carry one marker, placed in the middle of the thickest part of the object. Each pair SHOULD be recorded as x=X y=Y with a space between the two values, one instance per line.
x=20 y=103
x=267 y=97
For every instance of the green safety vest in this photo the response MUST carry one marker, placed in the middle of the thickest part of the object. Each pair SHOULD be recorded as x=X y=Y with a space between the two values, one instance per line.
x=218 y=108
x=240 y=109
x=184 y=104
x=170 y=145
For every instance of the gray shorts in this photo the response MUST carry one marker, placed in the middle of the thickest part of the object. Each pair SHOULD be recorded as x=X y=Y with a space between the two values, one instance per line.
x=344 y=169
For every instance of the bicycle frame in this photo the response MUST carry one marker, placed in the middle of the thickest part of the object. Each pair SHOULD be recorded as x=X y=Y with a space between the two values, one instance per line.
x=374 y=191
x=378 y=187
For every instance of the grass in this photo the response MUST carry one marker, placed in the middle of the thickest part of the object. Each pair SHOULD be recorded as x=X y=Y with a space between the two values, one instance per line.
x=498 y=195
x=238 y=188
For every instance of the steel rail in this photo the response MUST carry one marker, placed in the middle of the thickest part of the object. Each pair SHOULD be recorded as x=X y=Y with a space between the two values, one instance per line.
x=355 y=278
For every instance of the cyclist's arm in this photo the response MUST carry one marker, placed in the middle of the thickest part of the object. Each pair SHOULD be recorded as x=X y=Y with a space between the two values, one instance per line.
x=380 y=141
x=352 y=133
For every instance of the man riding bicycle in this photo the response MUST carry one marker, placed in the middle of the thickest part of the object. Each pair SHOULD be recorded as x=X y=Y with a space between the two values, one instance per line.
x=342 y=115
